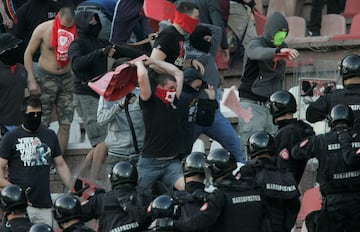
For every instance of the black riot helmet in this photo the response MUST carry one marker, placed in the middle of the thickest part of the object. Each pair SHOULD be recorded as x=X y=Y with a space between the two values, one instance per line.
x=194 y=164
x=40 y=227
x=340 y=113
x=123 y=173
x=282 y=102
x=350 y=66
x=260 y=142
x=162 y=206
x=221 y=162
x=66 y=207
x=13 y=197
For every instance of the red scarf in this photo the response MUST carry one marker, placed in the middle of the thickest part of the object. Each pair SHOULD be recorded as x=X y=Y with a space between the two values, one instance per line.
x=186 y=22
x=61 y=38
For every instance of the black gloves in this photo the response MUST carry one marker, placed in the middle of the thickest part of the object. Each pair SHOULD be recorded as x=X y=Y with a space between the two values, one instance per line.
x=107 y=49
x=125 y=202
x=308 y=88
x=344 y=136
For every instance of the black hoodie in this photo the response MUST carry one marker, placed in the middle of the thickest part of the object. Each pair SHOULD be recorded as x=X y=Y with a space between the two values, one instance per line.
x=86 y=54
x=258 y=62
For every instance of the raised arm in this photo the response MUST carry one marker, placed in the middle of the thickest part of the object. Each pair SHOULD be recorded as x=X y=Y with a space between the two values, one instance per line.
x=165 y=67
x=143 y=80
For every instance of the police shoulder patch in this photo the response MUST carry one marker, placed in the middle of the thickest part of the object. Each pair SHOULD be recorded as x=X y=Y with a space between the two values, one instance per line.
x=204 y=206
x=284 y=154
x=357 y=151
x=303 y=143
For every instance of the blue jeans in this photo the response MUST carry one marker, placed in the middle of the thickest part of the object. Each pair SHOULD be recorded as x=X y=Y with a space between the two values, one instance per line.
x=222 y=131
x=150 y=170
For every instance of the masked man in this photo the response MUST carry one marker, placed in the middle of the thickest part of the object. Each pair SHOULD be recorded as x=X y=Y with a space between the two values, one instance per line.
x=27 y=152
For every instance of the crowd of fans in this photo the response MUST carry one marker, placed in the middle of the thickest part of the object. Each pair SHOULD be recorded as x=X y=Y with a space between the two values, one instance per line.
x=50 y=51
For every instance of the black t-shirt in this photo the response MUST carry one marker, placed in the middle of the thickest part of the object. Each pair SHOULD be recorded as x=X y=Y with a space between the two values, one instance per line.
x=29 y=156
x=12 y=86
x=163 y=134
x=171 y=42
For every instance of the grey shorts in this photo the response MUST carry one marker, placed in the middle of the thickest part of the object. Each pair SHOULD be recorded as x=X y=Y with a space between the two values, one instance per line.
x=87 y=106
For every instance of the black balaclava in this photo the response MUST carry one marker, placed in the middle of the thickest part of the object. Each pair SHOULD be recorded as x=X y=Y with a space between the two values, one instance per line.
x=31 y=122
x=197 y=38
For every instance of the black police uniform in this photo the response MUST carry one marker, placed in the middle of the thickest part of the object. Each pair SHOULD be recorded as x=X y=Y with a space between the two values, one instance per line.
x=78 y=227
x=121 y=209
x=338 y=175
x=279 y=190
x=241 y=207
x=290 y=132
x=195 y=206
x=16 y=225
x=195 y=210
x=350 y=96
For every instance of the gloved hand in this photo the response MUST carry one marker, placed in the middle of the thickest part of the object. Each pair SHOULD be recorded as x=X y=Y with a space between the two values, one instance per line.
x=329 y=87
x=308 y=88
x=344 y=136
x=109 y=50
x=125 y=202
x=164 y=223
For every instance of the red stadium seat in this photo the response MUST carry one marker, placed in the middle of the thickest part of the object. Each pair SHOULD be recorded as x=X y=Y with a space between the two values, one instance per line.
x=297 y=27
x=260 y=21
x=276 y=5
x=352 y=7
x=159 y=10
x=310 y=201
x=333 y=24
x=354 y=33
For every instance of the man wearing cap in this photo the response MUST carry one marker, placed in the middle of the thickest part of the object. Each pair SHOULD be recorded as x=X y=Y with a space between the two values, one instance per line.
x=12 y=83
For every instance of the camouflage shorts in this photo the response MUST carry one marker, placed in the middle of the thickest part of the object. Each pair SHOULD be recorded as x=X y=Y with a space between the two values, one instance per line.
x=56 y=90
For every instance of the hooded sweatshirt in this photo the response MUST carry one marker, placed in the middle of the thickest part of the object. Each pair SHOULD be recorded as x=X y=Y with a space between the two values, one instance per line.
x=262 y=76
x=86 y=53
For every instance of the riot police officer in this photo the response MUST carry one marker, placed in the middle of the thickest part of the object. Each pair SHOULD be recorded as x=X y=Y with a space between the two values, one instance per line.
x=40 y=227
x=278 y=187
x=282 y=106
x=123 y=208
x=13 y=202
x=67 y=213
x=163 y=210
x=197 y=211
x=349 y=69
x=241 y=206
x=339 y=171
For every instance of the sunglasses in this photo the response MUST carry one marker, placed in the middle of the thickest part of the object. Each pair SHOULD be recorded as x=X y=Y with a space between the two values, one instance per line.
x=35 y=114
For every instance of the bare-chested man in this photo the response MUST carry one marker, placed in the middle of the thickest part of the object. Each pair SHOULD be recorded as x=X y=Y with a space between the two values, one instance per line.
x=53 y=80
